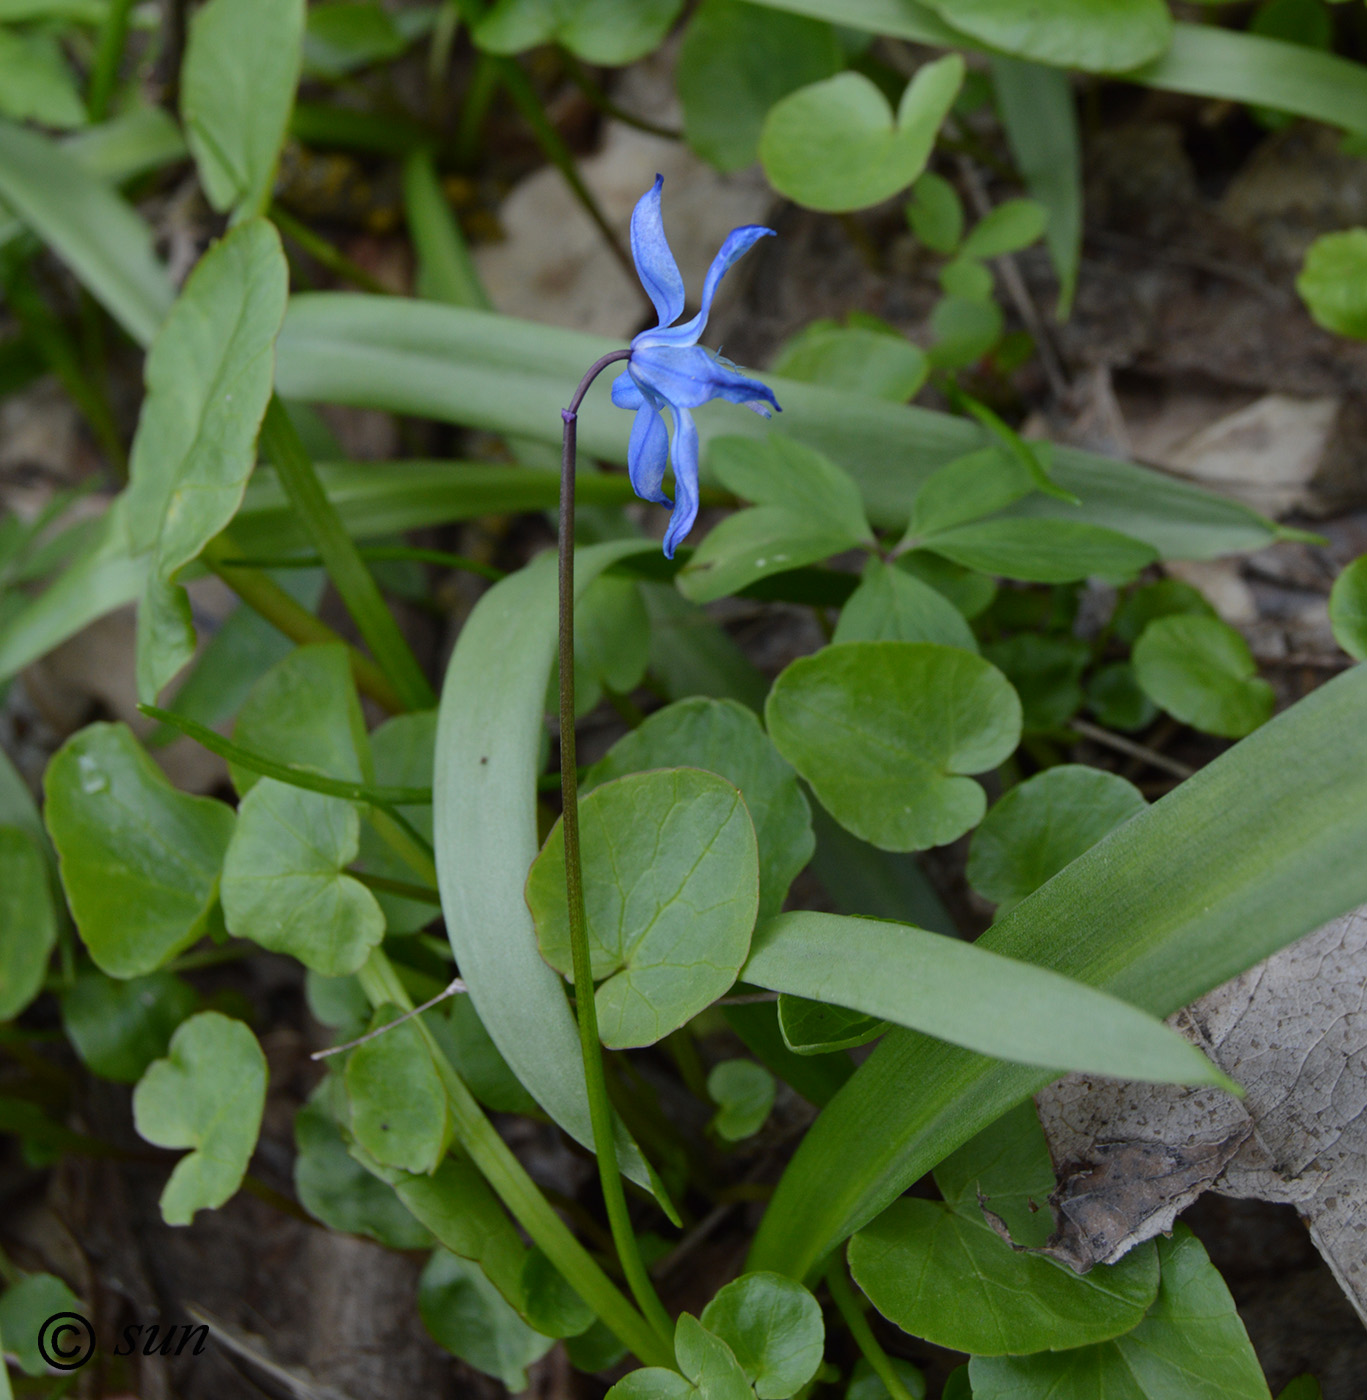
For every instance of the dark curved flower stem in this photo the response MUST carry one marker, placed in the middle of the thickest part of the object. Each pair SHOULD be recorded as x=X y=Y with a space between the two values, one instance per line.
x=600 y=1109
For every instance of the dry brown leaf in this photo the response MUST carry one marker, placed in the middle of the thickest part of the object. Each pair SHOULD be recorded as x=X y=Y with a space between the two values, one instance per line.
x=1293 y=1032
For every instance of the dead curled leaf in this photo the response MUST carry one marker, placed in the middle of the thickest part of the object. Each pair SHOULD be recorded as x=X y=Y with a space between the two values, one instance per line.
x=1293 y=1031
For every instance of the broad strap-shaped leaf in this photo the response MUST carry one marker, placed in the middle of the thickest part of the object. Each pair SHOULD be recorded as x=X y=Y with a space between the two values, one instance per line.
x=237 y=85
x=1191 y=1345
x=671 y=890
x=208 y=1094
x=725 y=738
x=140 y=861
x=96 y=233
x=284 y=884
x=1043 y=551
x=1259 y=848
x=963 y=993
x=209 y=378
x=1099 y=36
x=837 y=144
x=509 y=376
x=887 y=732
x=484 y=805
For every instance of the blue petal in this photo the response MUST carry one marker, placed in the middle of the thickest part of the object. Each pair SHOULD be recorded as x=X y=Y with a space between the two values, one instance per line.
x=738 y=242
x=655 y=264
x=685 y=454
x=647 y=455
x=688 y=376
x=625 y=394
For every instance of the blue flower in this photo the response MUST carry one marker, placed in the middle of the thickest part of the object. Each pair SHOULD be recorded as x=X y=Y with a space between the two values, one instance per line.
x=668 y=369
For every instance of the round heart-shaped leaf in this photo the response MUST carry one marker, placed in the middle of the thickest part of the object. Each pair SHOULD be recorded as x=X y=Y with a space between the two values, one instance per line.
x=887 y=733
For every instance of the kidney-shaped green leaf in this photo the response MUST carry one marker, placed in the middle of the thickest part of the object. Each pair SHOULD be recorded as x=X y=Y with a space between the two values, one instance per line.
x=940 y=1271
x=885 y=733
x=726 y=738
x=1100 y=36
x=406 y=1129
x=27 y=917
x=139 y=860
x=1042 y=824
x=283 y=880
x=120 y=1027
x=1201 y=671
x=836 y=145
x=208 y=1094
x=599 y=31
x=744 y=1093
x=774 y=1329
x=671 y=889
x=1191 y=1346
x=1333 y=282
x=962 y=993
x=1348 y=609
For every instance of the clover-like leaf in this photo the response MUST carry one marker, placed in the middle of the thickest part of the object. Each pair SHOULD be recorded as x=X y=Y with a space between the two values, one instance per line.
x=774 y=1329
x=119 y=1027
x=1099 y=36
x=891 y=605
x=887 y=732
x=725 y=738
x=1190 y=1344
x=1009 y=227
x=939 y=1269
x=209 y=378
x=1333 y=282
x=27 y=917
x=1043 y=824
x=837 y=145
x=407 y=1129
x=744 y=1093
x=608 y=32
x=1201 y=671
x=139 y=860
x=24 y=1306
x=671 y=890
x=207 y=1094
x=1348 y=609
x=283 y=880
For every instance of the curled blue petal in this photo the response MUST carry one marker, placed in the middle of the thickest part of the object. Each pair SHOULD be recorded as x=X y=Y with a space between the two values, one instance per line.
x=685 y=457
x=625 y=393
x=689 y=376
x=738 y=242
x=648 y=454
x=655 y=264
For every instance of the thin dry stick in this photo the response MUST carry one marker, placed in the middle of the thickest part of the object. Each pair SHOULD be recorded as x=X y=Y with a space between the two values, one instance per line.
x=1017 y=290
x=1129 y=748
x=455 y=988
